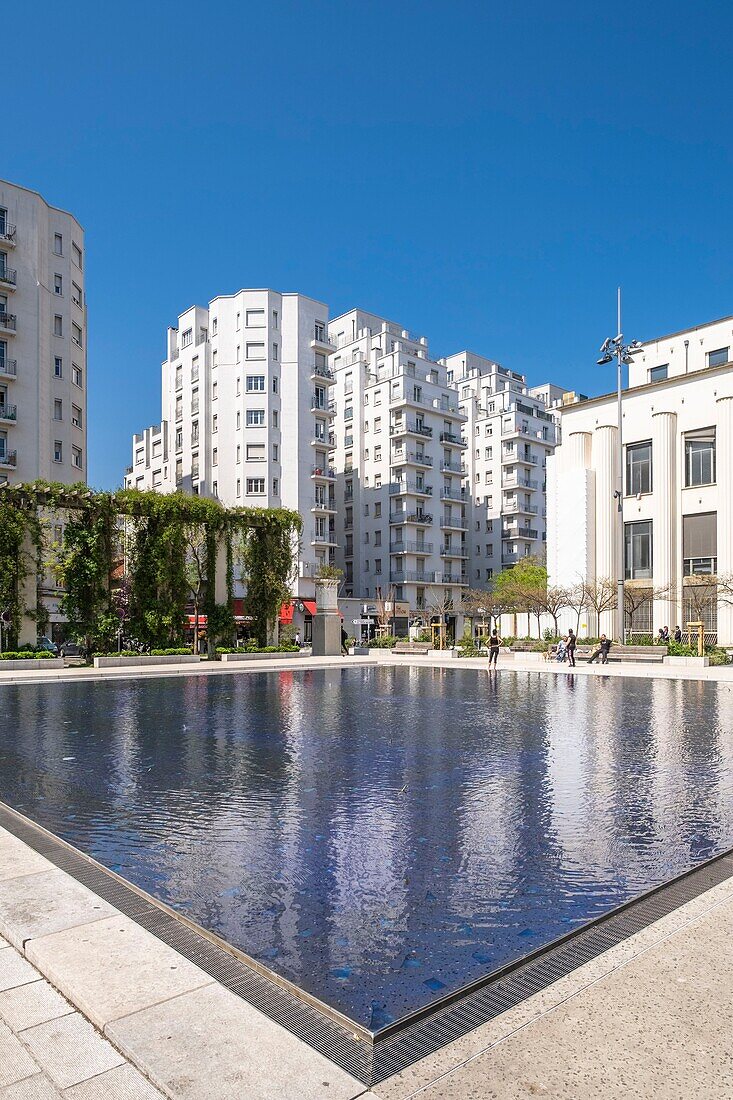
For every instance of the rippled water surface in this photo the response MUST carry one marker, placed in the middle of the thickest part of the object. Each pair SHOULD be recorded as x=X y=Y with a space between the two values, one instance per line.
x=380 y=836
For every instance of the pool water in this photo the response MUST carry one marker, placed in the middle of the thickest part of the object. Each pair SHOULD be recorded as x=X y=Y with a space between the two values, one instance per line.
x=379 y=836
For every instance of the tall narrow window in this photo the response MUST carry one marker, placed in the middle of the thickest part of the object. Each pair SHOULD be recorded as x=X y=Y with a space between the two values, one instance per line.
x=638 y=468
x=700 y=458
x=638 y=550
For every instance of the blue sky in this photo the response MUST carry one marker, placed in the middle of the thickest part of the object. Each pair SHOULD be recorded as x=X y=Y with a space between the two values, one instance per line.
x=485 y=177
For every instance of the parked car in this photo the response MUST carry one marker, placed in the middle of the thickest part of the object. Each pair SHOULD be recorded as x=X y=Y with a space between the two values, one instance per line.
x=72 y=649
x=46 y=643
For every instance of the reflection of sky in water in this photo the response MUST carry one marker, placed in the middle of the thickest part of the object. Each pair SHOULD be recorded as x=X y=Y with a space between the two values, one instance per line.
x=380 y=836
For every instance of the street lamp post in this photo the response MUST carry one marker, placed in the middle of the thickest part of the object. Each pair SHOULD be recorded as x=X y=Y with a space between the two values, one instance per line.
x=623 y=353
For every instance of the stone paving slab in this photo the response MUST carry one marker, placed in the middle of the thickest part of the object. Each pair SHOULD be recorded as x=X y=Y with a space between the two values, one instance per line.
x=122 y=1083
x=212 y=1045
x=69 y=1050
x=14 y=970
x=50 y=901
x=32 y=1004
x=16 y=858
x=15 y=1061
x=113 y=967
x=37 y=1087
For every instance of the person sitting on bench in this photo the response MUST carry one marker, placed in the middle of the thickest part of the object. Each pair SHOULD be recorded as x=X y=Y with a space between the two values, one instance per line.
x=601 y=650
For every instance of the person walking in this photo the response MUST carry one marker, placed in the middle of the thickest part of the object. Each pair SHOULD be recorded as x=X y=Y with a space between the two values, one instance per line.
x=297 y=638
x=344 y=639
x=494 y=643
x=570 y=647
x=601 y=650
x=677 y=635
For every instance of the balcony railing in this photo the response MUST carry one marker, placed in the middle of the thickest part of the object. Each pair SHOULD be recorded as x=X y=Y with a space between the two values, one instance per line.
x=8 y=412
x=519 y=533
x=327 y=505
x=453 y=494
x=411 y=547
x=7 y=321
x=323 y=540
x=8 y=458
x=455 y=578
x=419 y=518
x=398 y=487
x=514 y=506
x=323 y=471
x=511 y=481
x=8 y=275
x=451 y=467
x=7 y=233
x=411 y=428
x=328 y=441
x=411 y=457
x=452 y=438
x=322 y=372
x=411 y=576
x=453 y=524
x=9 y=368
x=453 y=552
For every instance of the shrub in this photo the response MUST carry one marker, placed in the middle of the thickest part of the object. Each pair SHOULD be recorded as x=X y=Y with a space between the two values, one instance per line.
x=466 y=646
x=387 y=641
x=183 y=652
x=26 y=655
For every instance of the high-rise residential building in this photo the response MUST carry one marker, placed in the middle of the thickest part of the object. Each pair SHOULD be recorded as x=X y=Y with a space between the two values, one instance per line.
x=510 y=432
x=401 y=524
x=246 y=415
x=43 y=329
x=677 y=487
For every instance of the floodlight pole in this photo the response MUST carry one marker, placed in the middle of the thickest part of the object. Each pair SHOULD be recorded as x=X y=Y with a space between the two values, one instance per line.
x=620 y=567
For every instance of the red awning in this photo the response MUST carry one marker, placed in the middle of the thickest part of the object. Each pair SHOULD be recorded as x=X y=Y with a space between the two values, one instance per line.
x=286 y=613
x=192 y=620
x=306 y=607
x=310 y=606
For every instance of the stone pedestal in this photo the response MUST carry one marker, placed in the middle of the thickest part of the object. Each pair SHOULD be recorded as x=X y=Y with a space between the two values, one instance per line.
x=664 y=530
x=605 y=462
x=327 y=621
x=28 y=595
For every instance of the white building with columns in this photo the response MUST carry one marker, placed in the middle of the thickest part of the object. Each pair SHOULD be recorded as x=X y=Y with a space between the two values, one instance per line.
x=677 y=485
x=43 y=339
x=246 y=416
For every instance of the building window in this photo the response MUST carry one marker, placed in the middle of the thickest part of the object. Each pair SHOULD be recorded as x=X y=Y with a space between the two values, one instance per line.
x=255 y=351
x=256 y=452
x=58 y=285
x=255 y=418
x=638 y=469
x=658 y=374
x=58 y=325
x=76 y=335
x=76 y=295
x=76 y=416
x=239 y=420
x=275 y=352
x=719 y=357
x=215 y=422
x=700 y=544
x=58 y=409
x=58 y=366
x=638 y=550
x=255 y=318
x=274 y=419
x=319 y=331
x=76 y=375
x=274 y=318
x=215 y=456
x=214 y=391
x=275 y=452
x=76 y=255
x=275 y=487
x=239 y=320
x=274 y=384
x=58 y=244
x=700 y=458
x=179 y=439
x=239 y=454
x=255 y=383
x=239 y=488
x=255 y=486
x=214 y=326
x=187 y=338
x=58 y=451
x=157 y=478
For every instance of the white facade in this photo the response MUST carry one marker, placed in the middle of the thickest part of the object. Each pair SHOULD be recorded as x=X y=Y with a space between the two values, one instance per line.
x=510 y=434
x=245 y=414
x=401 y=522
x=678 y=481
x=43 y=337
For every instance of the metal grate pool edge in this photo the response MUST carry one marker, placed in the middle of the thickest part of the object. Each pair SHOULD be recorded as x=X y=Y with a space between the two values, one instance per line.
x=372 y=1059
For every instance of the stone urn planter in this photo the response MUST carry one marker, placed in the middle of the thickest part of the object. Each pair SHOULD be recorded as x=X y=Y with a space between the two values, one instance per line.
x=327 y=590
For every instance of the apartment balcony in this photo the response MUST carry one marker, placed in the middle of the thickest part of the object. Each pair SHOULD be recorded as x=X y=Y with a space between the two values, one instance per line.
x=454 y=578
x=454 y=552
x=515 y=458
x=411 y=577
x=452 y=440
x=319 y=505
x=324 y=540
x=451 y=467
x=8 y=368
x=328 y=441
x=8 y=323
x=411 y=547
x=323 y=409
x=519 y=533
x=409 y=427
x=348 y=494
x=322 y=342
x=411 y=458
x=456 y=524
x=322 y=374
x=400 y=487
x=418 y=519
x=453 y=494
x=516 y=508
x=8 y=460
x=8 y=278
x=7 y=235
x=323 y=473
x=8 y=413
x=518 y=481
x=511 y=558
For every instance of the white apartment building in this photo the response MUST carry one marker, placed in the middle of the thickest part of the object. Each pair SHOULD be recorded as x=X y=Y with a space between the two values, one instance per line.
x=677 y=482
x=246 y=415
x=401 y=523
x=43 y=337
x=510 y=434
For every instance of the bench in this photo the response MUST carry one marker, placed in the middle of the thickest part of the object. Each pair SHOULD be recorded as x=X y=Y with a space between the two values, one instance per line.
x=411 y=647
x=640 y=654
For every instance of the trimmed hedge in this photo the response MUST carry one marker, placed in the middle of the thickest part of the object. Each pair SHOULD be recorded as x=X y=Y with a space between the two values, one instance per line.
x=259 y=649
x=27 y=655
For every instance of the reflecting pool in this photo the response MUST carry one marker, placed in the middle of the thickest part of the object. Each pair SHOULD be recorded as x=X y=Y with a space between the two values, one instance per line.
x=379 y=836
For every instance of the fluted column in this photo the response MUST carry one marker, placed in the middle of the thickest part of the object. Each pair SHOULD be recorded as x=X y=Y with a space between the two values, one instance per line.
x=724 y=479
x=579 y=450
x=664 y=519
x=605 y=464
